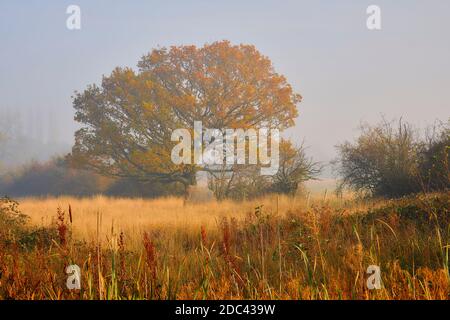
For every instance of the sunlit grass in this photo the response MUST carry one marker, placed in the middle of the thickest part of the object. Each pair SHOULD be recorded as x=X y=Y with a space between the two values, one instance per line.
x=290 y=248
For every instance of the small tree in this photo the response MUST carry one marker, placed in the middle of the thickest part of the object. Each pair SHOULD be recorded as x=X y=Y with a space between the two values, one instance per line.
x=238 y=183
x=295 y=168
x=247 y=182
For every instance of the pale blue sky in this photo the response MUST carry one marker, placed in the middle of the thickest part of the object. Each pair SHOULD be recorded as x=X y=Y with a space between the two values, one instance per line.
x=345 y=72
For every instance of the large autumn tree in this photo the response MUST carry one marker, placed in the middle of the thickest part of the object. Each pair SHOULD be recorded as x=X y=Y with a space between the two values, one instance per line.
x=127 y=121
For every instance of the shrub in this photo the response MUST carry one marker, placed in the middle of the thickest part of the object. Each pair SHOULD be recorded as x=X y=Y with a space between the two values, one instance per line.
x=393 y=161
x=434 y=160
x=14 y=228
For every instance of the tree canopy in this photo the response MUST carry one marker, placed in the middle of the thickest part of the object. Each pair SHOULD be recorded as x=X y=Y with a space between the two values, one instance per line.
x=127 y=121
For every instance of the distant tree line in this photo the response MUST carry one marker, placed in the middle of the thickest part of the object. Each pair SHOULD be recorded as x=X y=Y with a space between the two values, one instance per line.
x=57 y=177
x=389 y=159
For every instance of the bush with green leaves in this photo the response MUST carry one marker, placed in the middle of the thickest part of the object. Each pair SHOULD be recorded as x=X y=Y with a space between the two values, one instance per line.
x=15 y=229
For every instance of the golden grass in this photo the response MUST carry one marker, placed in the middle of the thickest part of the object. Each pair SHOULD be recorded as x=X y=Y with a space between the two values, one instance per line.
x=134 y=216
x=296 y=248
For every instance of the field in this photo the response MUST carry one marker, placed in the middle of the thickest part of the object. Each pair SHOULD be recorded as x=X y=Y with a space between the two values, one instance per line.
x=273 y=248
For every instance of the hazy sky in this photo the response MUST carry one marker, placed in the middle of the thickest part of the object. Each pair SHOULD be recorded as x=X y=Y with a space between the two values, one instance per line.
x=345 y=72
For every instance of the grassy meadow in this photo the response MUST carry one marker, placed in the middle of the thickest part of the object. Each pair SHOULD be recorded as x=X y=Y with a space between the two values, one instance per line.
x=315 y=247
